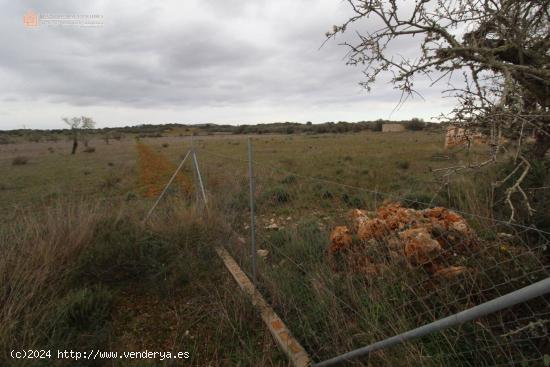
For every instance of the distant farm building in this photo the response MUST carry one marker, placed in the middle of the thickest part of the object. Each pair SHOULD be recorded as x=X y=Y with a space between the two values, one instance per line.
x=392 y=128
x=457 y=136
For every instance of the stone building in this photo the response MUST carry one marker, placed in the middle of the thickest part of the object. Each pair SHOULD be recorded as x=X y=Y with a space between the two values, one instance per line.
x=392 y=128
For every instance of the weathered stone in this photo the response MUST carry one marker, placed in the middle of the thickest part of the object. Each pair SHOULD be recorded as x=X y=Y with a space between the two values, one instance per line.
x=357 y=217
x=372 y=229
x=262 y=253
x=420 y=247
x=340 y=238
x=404 y=237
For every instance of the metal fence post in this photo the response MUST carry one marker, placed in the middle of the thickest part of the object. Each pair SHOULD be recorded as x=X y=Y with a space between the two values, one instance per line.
x=252 y=218
x=195 y=178
x=196 y=163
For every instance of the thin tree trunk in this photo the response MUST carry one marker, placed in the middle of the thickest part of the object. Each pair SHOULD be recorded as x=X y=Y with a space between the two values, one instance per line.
x=75 y=145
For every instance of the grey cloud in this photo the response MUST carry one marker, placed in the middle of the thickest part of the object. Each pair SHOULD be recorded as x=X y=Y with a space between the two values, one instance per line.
x=155 y=54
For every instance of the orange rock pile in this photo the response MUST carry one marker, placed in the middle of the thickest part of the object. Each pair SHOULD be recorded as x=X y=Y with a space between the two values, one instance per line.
x=431 y=238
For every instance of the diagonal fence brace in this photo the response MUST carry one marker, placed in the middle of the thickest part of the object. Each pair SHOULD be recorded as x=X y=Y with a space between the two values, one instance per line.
x=166 y=187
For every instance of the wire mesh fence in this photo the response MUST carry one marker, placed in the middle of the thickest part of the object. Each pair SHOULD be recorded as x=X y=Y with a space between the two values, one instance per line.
x=348 y=266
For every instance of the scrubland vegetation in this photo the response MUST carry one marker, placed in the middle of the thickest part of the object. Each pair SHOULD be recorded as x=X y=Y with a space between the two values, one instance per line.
x=80 y=269
x=81 y=276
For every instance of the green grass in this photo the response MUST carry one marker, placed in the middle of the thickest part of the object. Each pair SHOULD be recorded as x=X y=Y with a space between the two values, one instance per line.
x=125 y=286
x=83 y=276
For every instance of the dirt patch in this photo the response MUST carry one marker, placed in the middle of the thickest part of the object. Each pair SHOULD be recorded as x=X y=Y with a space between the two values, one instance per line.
x=214 y=324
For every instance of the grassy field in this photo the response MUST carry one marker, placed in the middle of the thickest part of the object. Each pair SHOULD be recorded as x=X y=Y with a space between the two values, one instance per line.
x=80 y=270
x=396 y=162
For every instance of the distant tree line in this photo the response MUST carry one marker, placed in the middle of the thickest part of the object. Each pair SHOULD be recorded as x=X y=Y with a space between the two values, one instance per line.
x=156 y=131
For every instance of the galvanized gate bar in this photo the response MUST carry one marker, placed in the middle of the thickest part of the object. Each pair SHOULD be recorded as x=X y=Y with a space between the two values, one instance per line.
x=521 y=295
x=290 y=346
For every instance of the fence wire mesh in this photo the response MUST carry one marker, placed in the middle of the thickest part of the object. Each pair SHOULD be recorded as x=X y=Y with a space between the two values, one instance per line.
x=346 y=266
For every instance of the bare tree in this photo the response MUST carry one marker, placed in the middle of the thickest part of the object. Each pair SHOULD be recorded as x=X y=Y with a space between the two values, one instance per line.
x=77 y=124
x=499 y=47
x=87 y=124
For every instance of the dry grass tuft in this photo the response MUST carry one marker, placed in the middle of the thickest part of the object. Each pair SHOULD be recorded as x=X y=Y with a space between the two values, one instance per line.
x=38 y=253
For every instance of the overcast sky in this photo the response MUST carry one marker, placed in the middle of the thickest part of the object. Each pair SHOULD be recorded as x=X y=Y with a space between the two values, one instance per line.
x=188 y=61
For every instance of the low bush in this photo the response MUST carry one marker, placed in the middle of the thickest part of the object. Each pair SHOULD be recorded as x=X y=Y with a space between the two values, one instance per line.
x=19 y=161
x=277 y=195
x=353 y=201
x=62 y=272
x=327 y=194
x=403 y=165
x=83 y=309
x=415 y=125
x=290 y=179
x=419 y=200
x=122 y=252
x=110 y=181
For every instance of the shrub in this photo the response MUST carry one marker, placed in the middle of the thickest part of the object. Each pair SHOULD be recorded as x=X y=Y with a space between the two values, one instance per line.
x=403 y=164
x=289 y=179
x=110 y=182
x=122 y=252
x=89 y=150
x=322 y=191
x=19 y=161
x=278 y=195
x=419 y=200
x=376 y=126
x=327 y=195
x=84 y=309
x=416 y=124
x=34 y=138
x=353 y=201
